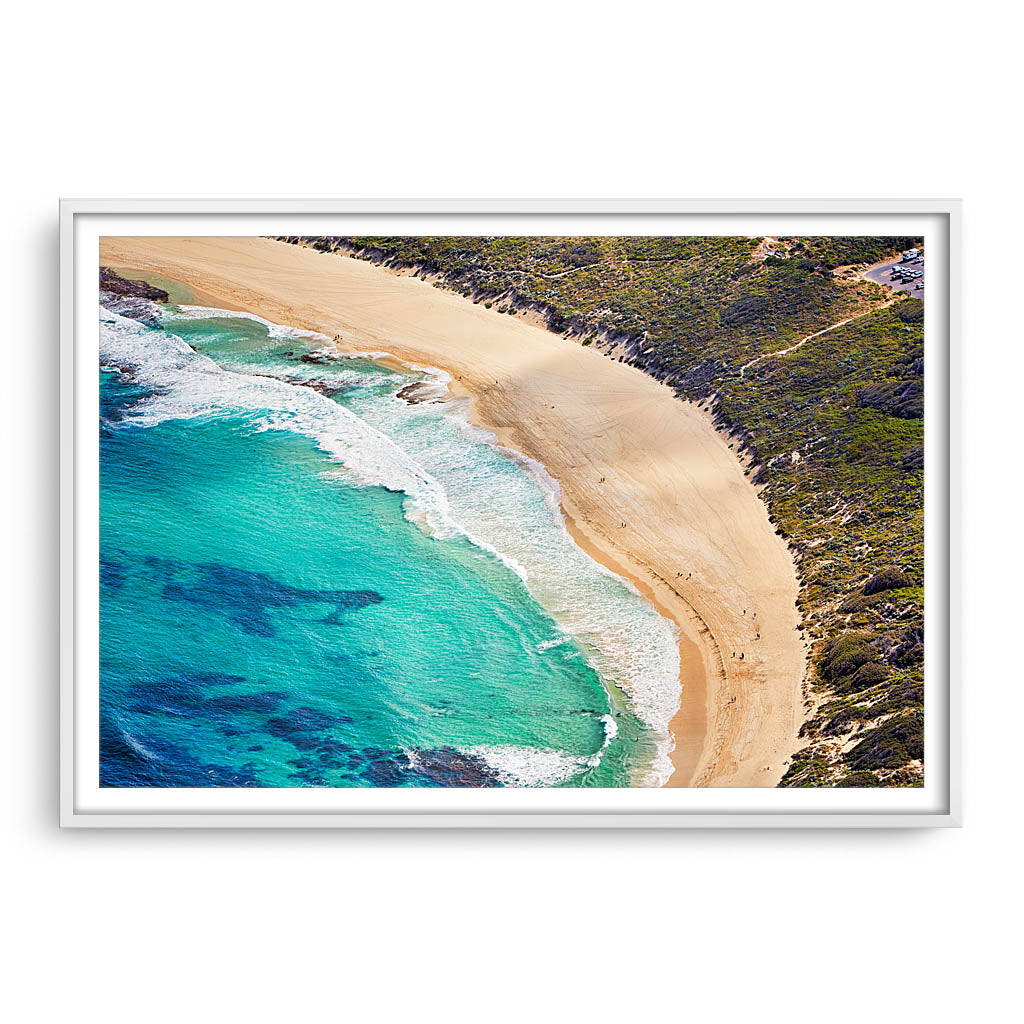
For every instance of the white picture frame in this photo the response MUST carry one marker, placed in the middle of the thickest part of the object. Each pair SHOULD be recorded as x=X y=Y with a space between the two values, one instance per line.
x=938 y=803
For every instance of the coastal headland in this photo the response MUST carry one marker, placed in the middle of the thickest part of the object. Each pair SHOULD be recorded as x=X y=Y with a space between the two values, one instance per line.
x=649 y=487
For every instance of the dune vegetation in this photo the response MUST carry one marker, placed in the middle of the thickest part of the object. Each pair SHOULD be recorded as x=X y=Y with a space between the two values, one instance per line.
x=832 y=431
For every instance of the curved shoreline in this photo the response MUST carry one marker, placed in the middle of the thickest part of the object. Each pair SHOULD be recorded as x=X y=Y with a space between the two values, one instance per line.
x=648 y=485
x=602 y=554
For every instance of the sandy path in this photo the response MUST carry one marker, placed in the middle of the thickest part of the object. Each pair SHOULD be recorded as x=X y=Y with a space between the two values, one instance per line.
x=697 y=540
x=811 y=337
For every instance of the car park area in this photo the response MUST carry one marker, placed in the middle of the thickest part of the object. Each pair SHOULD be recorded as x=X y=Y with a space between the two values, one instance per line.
x=905 y=273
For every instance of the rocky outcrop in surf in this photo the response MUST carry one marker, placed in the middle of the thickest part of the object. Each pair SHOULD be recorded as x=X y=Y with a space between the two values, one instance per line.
x=132 y=299
x=112 y=283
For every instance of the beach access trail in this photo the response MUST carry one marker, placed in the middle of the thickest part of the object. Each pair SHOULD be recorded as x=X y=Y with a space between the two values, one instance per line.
x=649 y=487
x=810 y=337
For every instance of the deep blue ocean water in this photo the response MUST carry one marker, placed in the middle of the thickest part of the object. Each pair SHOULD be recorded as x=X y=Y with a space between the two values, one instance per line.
x=315 y=572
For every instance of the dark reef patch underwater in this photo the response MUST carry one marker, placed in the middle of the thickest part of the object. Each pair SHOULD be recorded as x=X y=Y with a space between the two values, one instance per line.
x=245 y=597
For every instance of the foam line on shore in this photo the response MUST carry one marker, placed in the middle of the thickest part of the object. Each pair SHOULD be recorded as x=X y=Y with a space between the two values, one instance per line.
x=629 y=642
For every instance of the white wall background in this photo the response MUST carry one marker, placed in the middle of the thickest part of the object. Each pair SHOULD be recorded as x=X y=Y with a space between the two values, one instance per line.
x=531 y=99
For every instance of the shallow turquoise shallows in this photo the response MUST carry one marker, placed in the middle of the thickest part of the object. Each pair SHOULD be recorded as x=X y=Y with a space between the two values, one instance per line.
x=315 y=572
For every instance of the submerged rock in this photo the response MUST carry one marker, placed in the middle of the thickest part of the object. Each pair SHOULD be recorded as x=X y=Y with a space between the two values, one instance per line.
x=246 y=597
x=447 y=766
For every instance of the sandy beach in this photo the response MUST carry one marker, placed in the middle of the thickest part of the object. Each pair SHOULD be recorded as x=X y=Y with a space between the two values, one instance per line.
x=649 y=488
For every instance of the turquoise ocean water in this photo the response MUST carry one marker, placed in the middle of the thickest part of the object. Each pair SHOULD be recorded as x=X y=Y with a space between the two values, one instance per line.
x=316 y=572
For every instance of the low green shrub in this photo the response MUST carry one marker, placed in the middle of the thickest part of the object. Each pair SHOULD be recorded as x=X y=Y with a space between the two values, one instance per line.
x=860 y=780
x=910 y=311
x=845 y=654
x=890 y=578
x=869 y=674
x=860 y=602
x=891 y=745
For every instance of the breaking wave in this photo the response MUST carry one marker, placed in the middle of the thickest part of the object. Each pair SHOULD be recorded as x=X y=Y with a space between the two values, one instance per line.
x=520 y=766
x=274 y=330
x=457 y=480
x=186 y=384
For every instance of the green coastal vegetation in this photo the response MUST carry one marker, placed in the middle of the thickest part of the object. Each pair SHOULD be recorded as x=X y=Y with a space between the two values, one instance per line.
x=831 y=431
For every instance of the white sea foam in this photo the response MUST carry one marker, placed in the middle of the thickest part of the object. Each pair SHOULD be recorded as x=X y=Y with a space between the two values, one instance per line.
x=611 y=729
x=533 y=766
x=138 y=747
x=555 y=641
x=529 y=766
x=458 y=480
x=189 y=384
x=623 y=635
x=362 y=355
x=278 y=331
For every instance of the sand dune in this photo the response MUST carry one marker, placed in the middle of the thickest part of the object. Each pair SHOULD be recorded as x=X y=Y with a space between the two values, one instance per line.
x=697 y=540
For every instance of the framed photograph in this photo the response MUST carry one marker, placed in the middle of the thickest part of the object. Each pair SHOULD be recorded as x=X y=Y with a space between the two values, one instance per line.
x=510 y=514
